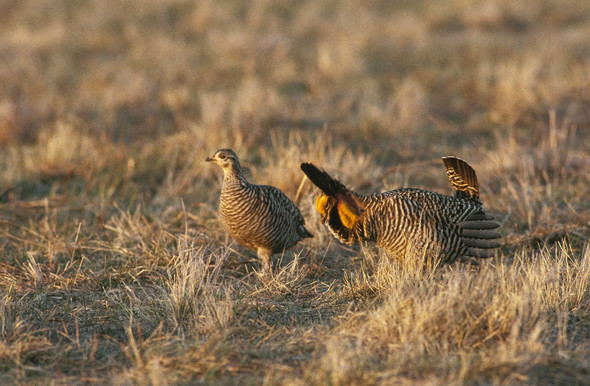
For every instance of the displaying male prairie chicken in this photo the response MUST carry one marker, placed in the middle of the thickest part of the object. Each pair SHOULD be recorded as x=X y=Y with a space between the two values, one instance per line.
x=411 y=222
x=260 y=217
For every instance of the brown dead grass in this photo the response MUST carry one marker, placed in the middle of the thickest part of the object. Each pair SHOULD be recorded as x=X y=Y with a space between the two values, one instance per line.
x=114 y=268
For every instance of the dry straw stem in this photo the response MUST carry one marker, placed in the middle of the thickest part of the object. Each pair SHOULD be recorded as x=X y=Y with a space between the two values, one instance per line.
x=199 y=302
x=473 y=321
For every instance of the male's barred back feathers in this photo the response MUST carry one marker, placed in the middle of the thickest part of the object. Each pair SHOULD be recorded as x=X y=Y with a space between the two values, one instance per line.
x=411 y=221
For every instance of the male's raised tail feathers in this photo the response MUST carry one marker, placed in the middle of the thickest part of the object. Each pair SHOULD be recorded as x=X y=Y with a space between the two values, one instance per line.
x=462 y=177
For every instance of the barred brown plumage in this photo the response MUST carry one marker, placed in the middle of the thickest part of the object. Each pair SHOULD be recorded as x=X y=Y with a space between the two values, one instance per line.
x=411 y=222
x=260 y=217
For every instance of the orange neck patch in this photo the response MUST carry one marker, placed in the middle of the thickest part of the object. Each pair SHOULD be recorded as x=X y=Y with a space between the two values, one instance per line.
x=320 y=204
x=348 y=211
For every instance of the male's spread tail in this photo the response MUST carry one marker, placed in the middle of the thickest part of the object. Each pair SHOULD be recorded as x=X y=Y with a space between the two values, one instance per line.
x=478 y=230
x=478 y=233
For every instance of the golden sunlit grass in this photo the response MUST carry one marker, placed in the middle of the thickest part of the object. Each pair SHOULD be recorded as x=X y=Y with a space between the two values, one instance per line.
x=114 y=268
x=457 y=325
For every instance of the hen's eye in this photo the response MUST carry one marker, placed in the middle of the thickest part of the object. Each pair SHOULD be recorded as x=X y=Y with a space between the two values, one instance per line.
x=223 y=156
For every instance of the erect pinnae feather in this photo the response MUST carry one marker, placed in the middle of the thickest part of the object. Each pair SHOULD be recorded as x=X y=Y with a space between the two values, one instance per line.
x=330 y=186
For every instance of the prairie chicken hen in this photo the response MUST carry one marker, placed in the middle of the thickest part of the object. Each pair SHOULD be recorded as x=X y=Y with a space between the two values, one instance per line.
x=260 y=217
x=411 y=222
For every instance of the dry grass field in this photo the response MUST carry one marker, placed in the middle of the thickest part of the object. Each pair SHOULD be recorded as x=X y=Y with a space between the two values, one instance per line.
x=115 y=270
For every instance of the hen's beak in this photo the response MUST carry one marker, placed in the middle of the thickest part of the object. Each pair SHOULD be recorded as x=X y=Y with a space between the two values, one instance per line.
x=208 y=159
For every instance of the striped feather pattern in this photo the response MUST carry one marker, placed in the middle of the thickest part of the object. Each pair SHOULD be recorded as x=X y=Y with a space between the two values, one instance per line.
x=462 y=177
x=260 y=217
x=415 y=222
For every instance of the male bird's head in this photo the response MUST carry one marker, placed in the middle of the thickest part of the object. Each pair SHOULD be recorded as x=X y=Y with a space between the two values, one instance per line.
x=340 y=211
x=336 y=203
x=224 y=158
